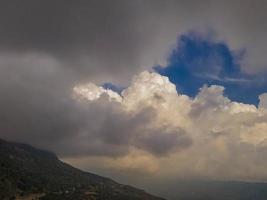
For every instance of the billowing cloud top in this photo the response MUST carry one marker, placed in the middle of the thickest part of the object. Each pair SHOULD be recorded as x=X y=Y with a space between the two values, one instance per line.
x=206 y=136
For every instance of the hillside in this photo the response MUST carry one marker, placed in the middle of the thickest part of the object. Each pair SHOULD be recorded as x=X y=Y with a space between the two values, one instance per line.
x=28 y=173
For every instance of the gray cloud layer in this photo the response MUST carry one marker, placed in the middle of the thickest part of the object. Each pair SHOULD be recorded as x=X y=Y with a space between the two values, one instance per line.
x=92 y=36
x=112 y=40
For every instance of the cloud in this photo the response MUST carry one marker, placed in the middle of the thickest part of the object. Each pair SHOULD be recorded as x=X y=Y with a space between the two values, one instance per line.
x=208 y=136
x=39 y=107
x=99 y=40
x=162 y=141
x=136 y=125
x=103 y=41
x=200 y=58
x=263 y=101
x=92 y=92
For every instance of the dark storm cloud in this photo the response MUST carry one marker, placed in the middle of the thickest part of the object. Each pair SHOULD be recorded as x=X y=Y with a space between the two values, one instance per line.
x=37 y=107
x=92 y=35
x=118 y=38
x=46 y=47
x=34 y=103
x=66 y=25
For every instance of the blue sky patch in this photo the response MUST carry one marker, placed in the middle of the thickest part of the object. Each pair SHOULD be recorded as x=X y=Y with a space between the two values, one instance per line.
x=113 y=87
x=199 y=59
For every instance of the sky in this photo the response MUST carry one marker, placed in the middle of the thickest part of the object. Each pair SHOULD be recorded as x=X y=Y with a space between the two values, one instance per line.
x=141 y=91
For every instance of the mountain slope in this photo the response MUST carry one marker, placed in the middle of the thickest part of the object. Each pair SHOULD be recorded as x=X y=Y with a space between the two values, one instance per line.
x=28 y=173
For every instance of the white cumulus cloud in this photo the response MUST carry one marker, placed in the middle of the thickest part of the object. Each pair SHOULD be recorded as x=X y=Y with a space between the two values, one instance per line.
x=205 y=136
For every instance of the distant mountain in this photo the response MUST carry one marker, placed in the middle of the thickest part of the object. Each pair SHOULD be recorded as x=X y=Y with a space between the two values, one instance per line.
x=27 y=173
x=212 y=190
